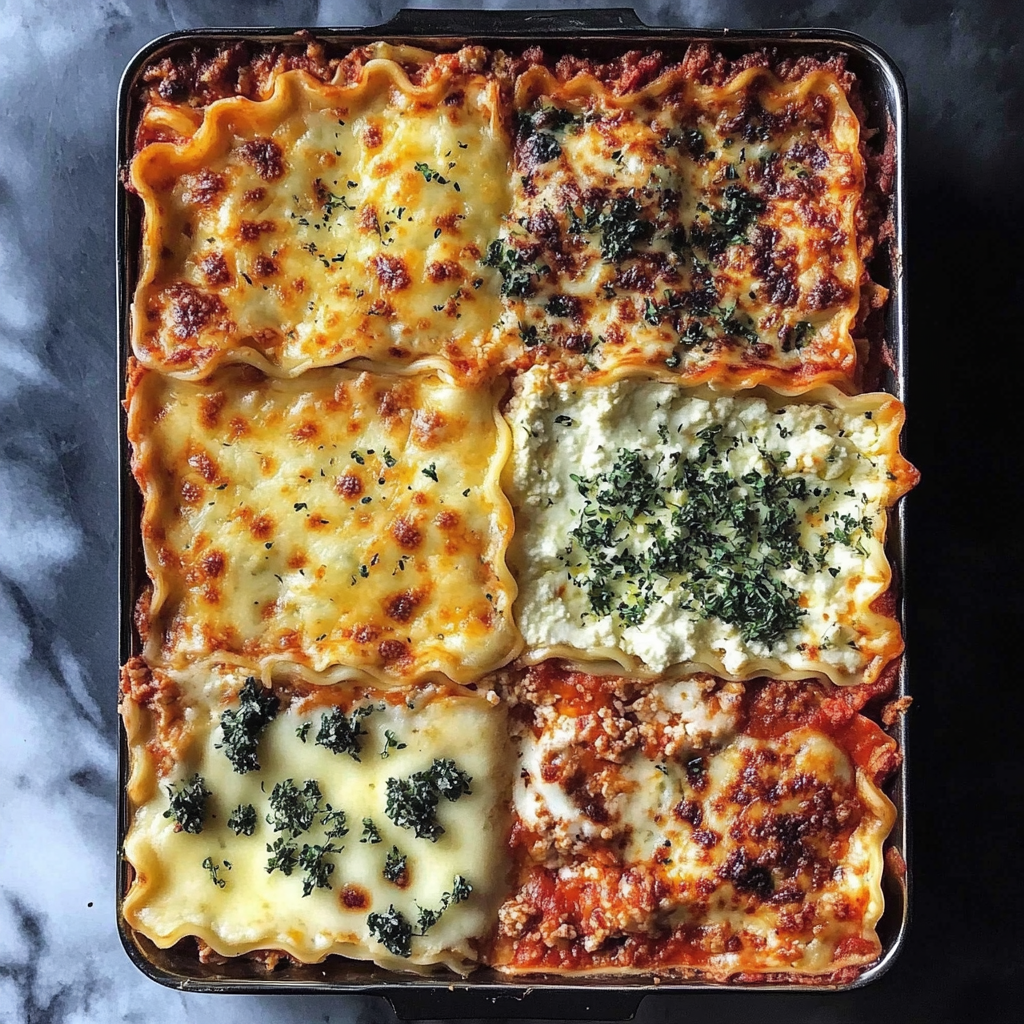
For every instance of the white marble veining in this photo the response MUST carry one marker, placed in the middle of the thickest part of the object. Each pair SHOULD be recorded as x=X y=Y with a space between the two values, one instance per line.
x=60 y=959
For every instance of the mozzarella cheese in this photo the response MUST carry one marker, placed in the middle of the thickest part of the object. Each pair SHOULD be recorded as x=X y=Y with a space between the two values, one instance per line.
x=337 y=521
x=706 y=232
x=650 y=837
x=594 y=578
x=326 y=222
x=215 y=884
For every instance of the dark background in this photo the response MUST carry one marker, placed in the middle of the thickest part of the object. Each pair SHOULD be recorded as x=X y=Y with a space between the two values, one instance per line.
x=963 y=65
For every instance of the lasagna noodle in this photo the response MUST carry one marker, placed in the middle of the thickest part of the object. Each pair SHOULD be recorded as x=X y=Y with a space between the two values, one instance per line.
x=325 y=223
x=666 y=828
x=670 y=529
x=174 y=725
x=337 y=521
x=712 y=233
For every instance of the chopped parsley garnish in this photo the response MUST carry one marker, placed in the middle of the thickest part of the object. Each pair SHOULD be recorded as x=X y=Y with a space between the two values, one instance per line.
x=621 y=227
x=392 y=931
x=334 y=822
x=412 y=802
x=394 y=866
x=516 y=269
x=390 y=743
x=721 y=541
x=430 y=174
x=461 y=890
x=188 y=805
x=431 y=471
x=243 y=820
x=371 y=834
x=341 y=733
x=389 y=459
x=728 y=223
x=318 y=870
x=242 y=726
x=283 y=856
x=293 y=809
x=213 y=869
x=541 y=148
x=303 y=730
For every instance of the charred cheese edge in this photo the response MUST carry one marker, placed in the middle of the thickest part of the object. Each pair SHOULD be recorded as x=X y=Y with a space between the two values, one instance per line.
x=338 y=520
x=325 y=223
x=666 y=528
x=213 y=884
x=654 y=832
x=708 y=233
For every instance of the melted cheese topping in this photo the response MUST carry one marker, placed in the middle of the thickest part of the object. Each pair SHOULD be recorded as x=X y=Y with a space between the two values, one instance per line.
x=651 y=837
x=324 y=223
x=333 y=520
x=660 y=527
x=709 y=233
x=175 y=895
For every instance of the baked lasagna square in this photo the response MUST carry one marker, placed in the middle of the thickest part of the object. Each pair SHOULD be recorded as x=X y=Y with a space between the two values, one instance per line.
x=709 y=225
x=664 y=527
x=338 y=521
x=303 y=821
x=727 y=831
x=322 y=222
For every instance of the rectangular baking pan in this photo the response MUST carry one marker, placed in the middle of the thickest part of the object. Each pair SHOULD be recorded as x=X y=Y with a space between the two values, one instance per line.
x=598 y=33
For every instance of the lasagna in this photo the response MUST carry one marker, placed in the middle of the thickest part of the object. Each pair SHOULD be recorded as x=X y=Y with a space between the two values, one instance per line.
x=696 y=825
x=513 y=505
x=335 y=520
x=666 y=527
x=313 y=820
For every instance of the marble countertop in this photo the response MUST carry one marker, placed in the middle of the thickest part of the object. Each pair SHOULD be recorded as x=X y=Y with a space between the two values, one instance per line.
x=60 y=958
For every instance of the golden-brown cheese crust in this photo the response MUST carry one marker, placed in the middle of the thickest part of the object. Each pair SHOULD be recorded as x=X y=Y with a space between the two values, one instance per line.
x=336 y=521
x=326 y=222
x=704 y=232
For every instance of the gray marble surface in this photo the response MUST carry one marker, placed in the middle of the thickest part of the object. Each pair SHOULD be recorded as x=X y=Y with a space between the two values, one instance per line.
x=60 y=959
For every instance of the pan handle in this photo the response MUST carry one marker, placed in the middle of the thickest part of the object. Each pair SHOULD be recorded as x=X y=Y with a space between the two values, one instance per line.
x=464 y=1002
x=426 y=22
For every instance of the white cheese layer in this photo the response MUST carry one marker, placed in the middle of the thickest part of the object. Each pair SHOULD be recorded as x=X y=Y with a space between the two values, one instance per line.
x=175 y=894
x=568 y=439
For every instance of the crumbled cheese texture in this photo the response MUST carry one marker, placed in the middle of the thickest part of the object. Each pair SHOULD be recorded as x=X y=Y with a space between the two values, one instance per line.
x=663 y=527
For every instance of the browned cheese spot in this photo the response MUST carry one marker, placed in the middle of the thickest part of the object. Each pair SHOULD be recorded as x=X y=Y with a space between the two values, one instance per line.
x=444 y=270
x=201 y=188
x=265 y=157
x=400 y=607
x=354 y=897
x=264 y=266
x=262 y=527
x=205 y=466
x=210 y=407
x=213 y=564
x=250 y=230
x=406 y=533
x=392 y=650
x=349 y=485
x=215 y=269
x=391 y=272
x=191 y=309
